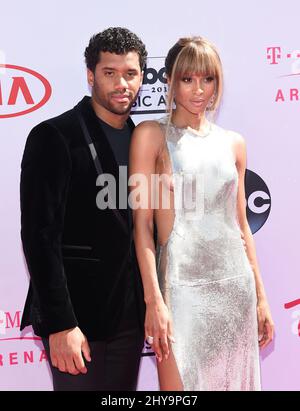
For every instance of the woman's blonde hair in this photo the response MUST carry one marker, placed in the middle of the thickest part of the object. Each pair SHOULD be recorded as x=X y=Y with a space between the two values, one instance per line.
x=194 y=55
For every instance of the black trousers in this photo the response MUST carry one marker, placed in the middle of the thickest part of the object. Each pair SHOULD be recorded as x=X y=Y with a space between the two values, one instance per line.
x=114 y=366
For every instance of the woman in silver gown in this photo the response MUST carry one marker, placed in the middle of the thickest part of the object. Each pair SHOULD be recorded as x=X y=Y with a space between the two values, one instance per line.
x=206 y=308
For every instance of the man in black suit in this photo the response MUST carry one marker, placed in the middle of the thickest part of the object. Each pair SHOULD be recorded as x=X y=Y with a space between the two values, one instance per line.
x=85 y=296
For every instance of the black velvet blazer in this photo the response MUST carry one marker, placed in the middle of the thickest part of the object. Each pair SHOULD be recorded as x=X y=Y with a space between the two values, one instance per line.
x=80 y=259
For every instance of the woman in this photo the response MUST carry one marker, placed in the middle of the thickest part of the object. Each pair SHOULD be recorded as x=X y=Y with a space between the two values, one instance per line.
x=206 y=308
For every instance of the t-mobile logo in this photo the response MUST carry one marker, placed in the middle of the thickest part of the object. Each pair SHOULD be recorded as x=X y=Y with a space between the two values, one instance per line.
x=2 y=322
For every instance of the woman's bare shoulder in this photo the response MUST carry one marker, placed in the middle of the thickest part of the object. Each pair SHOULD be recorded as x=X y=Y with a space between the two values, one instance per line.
x=149 y=125
x=149 y=132
x=236 y=137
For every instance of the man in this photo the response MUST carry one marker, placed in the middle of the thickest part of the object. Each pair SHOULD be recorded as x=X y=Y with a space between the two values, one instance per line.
x=85 y=296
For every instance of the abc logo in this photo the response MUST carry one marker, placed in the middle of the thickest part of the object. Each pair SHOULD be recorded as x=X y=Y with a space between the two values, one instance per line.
x=258 y=200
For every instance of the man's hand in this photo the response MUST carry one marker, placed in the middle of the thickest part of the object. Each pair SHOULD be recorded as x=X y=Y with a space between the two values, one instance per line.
x=66 y=349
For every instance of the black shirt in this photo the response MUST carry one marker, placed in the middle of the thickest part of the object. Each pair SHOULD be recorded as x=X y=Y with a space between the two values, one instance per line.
x=119 y=140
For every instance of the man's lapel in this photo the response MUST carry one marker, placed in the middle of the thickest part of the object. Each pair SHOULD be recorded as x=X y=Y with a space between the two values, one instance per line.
x=104 y=152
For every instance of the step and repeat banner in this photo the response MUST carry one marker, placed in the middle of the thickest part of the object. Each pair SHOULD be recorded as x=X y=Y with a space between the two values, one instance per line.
x=42 y=74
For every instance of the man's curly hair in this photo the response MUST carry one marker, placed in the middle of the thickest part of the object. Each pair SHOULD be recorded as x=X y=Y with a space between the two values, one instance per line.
x=118 y=40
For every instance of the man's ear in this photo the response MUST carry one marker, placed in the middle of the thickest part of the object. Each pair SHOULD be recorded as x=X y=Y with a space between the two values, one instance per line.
x=90 y=77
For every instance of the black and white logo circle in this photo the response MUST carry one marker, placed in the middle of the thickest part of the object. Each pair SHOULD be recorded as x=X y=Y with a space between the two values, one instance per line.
x=152 y=95
x=258 y=200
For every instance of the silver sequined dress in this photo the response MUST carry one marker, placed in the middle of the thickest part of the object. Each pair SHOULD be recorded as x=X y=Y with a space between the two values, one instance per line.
x=204 y=273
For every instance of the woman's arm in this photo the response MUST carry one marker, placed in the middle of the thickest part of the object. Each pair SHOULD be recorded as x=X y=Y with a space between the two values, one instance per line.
x=146 y=144
x=265 y=322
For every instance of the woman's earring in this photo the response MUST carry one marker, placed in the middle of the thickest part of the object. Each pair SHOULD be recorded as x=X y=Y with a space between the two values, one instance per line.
x=211 y=103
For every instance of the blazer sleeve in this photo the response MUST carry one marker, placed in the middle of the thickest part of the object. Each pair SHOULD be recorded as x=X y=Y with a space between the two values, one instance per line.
x=45 y=175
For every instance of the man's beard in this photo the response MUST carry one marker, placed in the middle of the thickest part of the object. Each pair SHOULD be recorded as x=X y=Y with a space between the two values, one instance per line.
x=108 y=104
x=121 y=110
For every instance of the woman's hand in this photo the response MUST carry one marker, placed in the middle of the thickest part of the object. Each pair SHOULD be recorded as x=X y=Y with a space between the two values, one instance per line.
x=158 y=325
x=265 y=323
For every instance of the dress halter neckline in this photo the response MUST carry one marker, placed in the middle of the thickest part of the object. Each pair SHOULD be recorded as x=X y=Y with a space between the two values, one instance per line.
x=194 y=131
